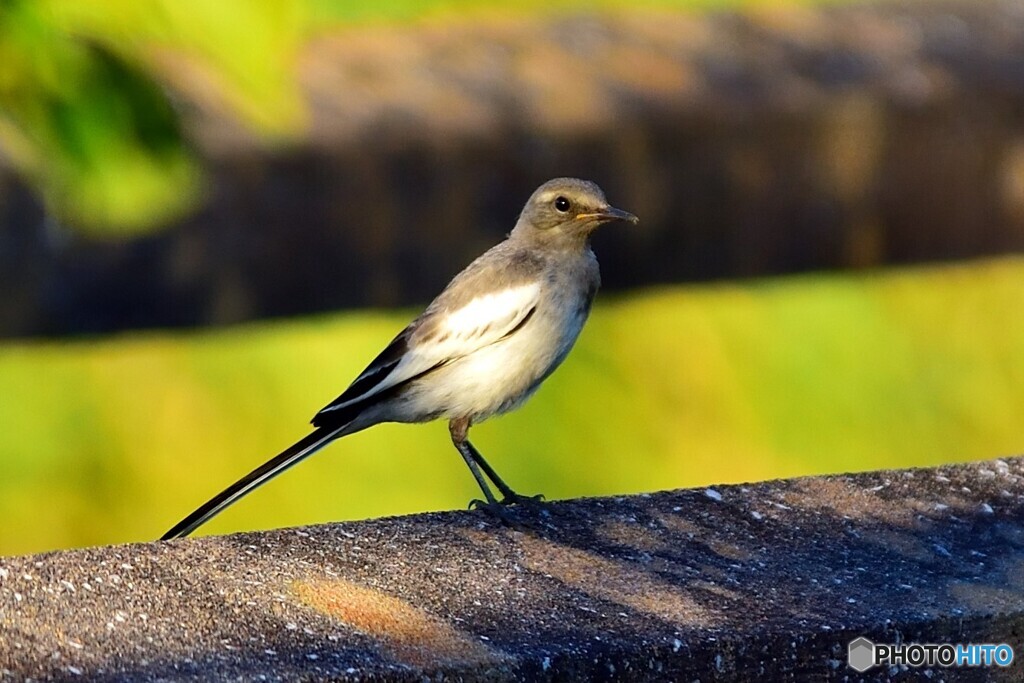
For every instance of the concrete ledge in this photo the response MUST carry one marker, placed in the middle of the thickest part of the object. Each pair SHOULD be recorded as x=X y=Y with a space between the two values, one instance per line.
x=755 y=582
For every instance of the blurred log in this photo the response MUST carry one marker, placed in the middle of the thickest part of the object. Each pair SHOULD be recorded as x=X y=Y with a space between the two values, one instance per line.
x=775 y=141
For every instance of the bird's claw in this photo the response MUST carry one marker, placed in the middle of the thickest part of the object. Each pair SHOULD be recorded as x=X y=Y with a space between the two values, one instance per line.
x=524 y=501
x=495 y=509
x=505 y=509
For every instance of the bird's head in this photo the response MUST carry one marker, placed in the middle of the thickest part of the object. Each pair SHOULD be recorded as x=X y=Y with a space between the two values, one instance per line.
x=567 y=210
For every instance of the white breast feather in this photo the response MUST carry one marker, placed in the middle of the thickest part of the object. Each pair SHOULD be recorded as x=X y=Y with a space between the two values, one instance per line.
x=480 y=323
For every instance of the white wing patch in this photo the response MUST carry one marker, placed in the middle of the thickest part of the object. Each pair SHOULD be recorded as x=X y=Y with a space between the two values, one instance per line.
x=480 y=323
x=500 y=311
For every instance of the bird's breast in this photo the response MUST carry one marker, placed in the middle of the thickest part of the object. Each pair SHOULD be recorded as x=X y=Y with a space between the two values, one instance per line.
x=500 y=376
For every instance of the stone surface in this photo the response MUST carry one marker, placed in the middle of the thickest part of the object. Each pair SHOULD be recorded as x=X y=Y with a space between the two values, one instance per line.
x=764 y=581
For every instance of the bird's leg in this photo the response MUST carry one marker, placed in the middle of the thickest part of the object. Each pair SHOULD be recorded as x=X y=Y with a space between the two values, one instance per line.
x=459 y=428
x=510 y=496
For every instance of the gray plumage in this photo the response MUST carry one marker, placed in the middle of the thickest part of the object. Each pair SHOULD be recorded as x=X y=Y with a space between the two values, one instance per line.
x=481 y=348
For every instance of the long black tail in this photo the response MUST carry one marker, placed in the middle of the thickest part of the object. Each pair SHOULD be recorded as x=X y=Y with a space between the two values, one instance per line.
x=302 y=449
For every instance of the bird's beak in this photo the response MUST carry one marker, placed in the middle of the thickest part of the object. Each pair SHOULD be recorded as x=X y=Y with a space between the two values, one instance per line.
x=609 y=213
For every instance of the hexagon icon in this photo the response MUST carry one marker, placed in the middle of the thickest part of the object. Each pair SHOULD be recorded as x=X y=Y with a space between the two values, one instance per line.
x=861 y=654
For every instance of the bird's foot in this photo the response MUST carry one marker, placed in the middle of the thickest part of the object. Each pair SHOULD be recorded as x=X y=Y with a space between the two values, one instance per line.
x=495 y=509
x=516 y=511
x=534 y=502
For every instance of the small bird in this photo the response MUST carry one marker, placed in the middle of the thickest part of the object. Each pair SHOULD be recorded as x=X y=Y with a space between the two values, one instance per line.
x=481 y=348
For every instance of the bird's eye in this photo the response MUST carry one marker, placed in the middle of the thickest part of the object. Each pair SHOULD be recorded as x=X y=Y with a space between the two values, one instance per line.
x=561 y=204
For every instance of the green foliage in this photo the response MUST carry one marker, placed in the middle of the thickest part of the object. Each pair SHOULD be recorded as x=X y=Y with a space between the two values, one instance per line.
x=114 y=440
x=82 y=118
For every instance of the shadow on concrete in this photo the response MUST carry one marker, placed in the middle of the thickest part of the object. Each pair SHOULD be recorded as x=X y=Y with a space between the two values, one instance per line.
x=768 y=580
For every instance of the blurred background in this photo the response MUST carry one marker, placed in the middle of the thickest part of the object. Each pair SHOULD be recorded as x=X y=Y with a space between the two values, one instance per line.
x=213 y=215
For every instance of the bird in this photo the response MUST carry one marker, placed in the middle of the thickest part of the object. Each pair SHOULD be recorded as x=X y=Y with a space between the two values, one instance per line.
x=480 y=349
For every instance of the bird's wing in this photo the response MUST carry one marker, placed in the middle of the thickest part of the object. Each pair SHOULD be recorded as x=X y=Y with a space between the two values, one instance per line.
x=451 y=328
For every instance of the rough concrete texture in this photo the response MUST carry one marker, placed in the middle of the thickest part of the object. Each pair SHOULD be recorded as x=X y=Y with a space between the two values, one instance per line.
x=758 y=582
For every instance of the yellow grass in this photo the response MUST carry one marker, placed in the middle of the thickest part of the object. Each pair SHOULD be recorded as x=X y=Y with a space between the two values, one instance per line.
x=114 y=440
